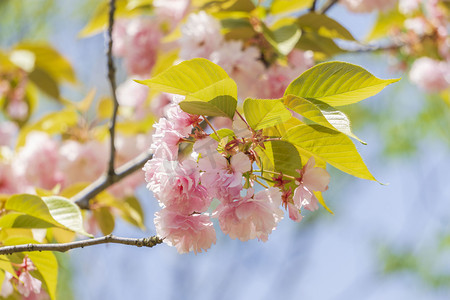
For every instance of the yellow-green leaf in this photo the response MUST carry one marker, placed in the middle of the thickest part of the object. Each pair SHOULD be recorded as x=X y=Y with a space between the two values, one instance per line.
x=105 y=108
x=284 y=38
x=45 y=262
x=322 y=47
x=384 y=23
x=324 y=26
x=337 y=84
x=21 y=220
x=320 y=113
x=322 y=201
x=52 y=123
x=105 y=220
x=288 y=6
x=45 y=82
x=330 y=146
x=50 y=60
x=207 y=87
x=263 y=113
x=66 y=212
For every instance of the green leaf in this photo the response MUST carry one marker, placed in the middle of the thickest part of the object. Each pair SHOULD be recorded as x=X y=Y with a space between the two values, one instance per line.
x=223 y=133
x=284 y=38
x=20 y=220
x=337 y=84
x=65 y=212
x=322 y=201
x=52 y=123
x=329 y=146
x=131 y=211
x=280 y=156
x=99 y=20
x=384 y=23
x=5 y=265
x=324 y=26
x=288 y=6
x=55 y=210
x=47 y=266
x=45 y=82
x=207 y=87
x=263 y=113
x=321 y=113
x=105 y=220
x=50 y=61
x=45 y=262
x=322 y=47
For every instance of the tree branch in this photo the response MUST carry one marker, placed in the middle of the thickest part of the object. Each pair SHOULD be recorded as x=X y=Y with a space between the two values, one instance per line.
x=327 y=6
x=112 y=81
x=83 y=197
x=313 y=6
x=109 y=239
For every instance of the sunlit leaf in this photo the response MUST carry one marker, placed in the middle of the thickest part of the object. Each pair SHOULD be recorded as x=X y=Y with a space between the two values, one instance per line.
x=385 y=22
x=223 y=133
x=66 y=213
x=288 y=6
x=322 y=201
x=50 y=60
x=207 y=87
x=284 y=38
x=322 y=47
x=52 y=123
x=337 y=83
x=105 y=220
x=105 y=108
x=329 y=146
x=320 y=113
x=324 y=26
x=45 y=262
x=263 y=113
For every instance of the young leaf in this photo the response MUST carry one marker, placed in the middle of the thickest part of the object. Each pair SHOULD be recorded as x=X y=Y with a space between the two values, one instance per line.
x=320 y=113
x=45 y=262
x=288 y=6
x=330 y=146
x=66 y=213
x=337 y=84
x=55 y=210
x=324 y=26
x=322 y=201
x=322 y=47
x=53 y=123
x=263 y=113
x=223 y=133
x=280 y=156
x=283 y=39
x=207 y=87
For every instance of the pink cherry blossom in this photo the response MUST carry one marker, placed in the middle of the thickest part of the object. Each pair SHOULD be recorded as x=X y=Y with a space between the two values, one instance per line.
x=407 y=7
x=83 y=162
x=171 y=10
x=252 y=216
x=311 y=179
x=37 y=161
x=430 y=75
x=366 y=6
x=137 y=40
x=132 y=94
x=7 y=287
x=8 y=132
x=200 y=36
x=185 y=232
x=9 y=183
x=242 y=64
x=159 y=104
x=177 y=185
x=28 y=286
x=129 y=147
x=223 y=179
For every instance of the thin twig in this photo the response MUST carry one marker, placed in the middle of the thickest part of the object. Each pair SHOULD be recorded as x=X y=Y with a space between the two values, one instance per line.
x=313 y=6
x=83 y=197
x=327 y=6
x=63 y=247
x=112 y=81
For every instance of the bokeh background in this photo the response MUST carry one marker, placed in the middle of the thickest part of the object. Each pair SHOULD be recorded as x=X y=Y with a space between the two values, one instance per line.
x=388 y=241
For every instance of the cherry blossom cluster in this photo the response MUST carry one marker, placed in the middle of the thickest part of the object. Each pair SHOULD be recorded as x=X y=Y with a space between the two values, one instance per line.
x=28 y=286
x=45 y=162
x=215 y=179
x=138 y=41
